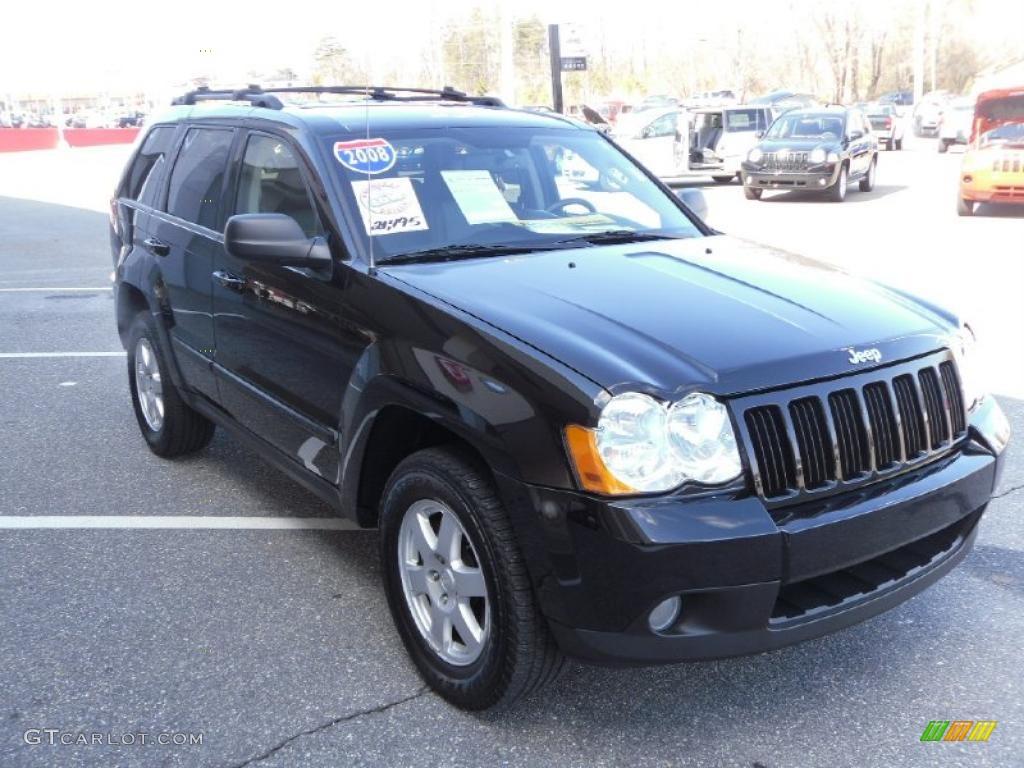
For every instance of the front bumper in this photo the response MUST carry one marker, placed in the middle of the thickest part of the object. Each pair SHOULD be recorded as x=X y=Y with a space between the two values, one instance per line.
x=815 y=177
x=748 y=581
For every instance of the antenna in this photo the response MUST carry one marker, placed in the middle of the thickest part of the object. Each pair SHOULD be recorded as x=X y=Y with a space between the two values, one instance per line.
x=369 y=189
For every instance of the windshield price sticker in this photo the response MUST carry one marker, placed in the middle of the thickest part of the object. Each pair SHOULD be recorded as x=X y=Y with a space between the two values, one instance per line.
x=389 y=206
x=365 y=155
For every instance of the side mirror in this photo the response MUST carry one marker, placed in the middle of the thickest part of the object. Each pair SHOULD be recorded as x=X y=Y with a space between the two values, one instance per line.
x=274 y=238
x=694 y=199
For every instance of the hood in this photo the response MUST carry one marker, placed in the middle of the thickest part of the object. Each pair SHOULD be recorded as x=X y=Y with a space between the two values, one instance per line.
x=798 y=145
x=718 y=313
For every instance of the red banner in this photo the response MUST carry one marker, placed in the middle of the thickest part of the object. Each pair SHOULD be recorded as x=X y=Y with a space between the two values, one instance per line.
x=20 y=139
x=91 y=137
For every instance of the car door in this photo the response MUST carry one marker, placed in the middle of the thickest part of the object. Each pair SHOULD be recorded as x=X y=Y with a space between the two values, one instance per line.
x=186 y=238
x=858 y=139
x=657 y=146
x=285 y=347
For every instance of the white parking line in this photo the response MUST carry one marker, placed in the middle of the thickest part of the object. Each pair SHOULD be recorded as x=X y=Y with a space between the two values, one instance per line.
x=29 y=355
x=54 y=290
x=178 y=521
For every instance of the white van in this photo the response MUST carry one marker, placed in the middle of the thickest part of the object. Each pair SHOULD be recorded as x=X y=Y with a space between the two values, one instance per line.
x=707 y=141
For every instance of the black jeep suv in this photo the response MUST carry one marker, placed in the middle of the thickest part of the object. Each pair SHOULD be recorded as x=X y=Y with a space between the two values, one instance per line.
x=583 y=422
x=813 y=150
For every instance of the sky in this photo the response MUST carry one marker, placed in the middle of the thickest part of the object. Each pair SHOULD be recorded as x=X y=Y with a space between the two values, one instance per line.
x=155 y=46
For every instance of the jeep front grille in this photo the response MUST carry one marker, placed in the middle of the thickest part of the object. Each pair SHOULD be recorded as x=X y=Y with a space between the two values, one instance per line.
x=810 y=440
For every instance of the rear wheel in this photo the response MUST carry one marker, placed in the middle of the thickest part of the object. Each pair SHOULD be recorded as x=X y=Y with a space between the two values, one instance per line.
x=943 y=146
x=868 y=182
x=751 y=193
x=837 y=192
x=457 y=584
x=899 y=143
x=723 y=179
x=964 y=207
x=170 y=427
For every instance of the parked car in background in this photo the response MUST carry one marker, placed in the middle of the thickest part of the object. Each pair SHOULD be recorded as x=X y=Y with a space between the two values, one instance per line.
x=711 y=99
x=721 y=137
x=783 y=100
x=955 y=123
x=658 y=101
x=820 y=149
x=709 y=141
x=928 y=113
x=898 y=98
x=887 y=124
x=992 y=170
x=611 y=109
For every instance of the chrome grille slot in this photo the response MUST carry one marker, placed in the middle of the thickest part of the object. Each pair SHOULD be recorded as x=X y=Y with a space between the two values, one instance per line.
x=884 y=430
x=954 y=395
x=816 y=455
x=938 y=426
x=772 y=448
x=910 y=416
x=851 y=436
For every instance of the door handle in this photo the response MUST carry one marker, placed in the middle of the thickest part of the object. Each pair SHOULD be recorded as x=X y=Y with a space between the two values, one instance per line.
x=228 y=280
x=156 y=247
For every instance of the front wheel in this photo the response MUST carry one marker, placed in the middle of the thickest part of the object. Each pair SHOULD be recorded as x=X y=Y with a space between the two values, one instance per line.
x=964 y=207
x=722 y=179
x=943 y=146
x=868 y=182
x=751 y=193
x=837 y=192
x=457 y=584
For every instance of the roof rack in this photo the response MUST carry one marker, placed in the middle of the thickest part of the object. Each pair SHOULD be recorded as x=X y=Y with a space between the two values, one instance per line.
x=263 y=97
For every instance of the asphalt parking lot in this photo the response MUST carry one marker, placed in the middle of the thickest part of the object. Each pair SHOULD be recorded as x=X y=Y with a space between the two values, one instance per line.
x=276 y=645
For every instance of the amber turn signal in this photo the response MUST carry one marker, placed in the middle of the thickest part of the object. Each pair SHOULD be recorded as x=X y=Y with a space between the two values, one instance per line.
x=590 y=469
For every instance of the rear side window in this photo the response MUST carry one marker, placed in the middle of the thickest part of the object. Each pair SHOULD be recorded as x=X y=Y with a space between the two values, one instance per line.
x=140 y=183
x=271 y=182
x=198 y=176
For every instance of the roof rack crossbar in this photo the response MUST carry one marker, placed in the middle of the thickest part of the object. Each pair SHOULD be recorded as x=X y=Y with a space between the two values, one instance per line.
x=262 y=97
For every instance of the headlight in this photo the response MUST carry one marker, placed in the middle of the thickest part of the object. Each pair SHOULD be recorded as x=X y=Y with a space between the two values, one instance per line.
x=643 y=445
x=755 y=155
x=817 y=155
x=971 y=381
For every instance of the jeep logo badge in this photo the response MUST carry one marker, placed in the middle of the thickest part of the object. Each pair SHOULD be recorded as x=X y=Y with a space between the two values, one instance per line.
x=864 y=355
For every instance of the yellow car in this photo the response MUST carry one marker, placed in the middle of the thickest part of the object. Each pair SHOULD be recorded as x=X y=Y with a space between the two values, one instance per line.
x=993 y=167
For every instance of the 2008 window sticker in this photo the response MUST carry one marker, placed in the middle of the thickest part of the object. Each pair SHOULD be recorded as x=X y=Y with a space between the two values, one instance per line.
x=366 y=155
x=389 y=206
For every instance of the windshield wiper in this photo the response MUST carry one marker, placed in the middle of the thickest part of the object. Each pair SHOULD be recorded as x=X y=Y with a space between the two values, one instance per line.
x=467 y=251
x=613 y=236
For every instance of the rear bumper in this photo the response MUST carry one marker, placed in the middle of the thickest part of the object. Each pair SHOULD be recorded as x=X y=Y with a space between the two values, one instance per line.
x=747 y=581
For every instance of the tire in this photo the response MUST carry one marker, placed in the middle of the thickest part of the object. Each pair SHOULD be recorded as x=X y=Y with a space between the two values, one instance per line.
x=837 y=192
x=868 y=182
x=516 y=653
x=887 y=145
x=723 y=179
x=751 y=193
x=943 y=146
x=964 y=207
x=899 y=144
x=179 y=429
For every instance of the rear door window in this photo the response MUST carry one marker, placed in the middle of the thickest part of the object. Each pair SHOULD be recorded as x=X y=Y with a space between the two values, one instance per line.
x=197 y=180
x=141 y=181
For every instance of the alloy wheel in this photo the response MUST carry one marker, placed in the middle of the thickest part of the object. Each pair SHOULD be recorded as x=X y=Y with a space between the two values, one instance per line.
x=442 y=582
x=148 y=385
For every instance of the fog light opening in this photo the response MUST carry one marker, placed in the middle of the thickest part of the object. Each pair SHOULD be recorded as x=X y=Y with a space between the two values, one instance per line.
x=822 y=182
x=664 y=614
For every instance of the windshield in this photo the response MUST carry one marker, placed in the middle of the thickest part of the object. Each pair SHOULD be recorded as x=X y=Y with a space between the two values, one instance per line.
x=806 y=127
x=420 y=190
x=1009 y=135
